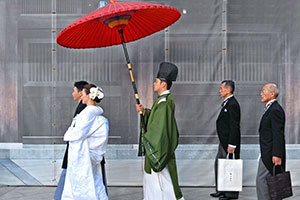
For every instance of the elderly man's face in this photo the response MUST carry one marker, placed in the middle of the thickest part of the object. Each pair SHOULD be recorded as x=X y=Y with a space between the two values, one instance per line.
x=224 y=91
x=266 y=95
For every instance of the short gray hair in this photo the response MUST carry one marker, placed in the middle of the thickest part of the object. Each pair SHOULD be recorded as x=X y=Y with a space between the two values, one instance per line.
x=273 y=88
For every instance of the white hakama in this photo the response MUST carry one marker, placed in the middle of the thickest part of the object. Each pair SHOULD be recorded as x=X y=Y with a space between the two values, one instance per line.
x=158 y=186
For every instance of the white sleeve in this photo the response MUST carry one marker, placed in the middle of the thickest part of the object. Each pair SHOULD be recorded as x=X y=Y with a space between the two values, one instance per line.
x=80 y=129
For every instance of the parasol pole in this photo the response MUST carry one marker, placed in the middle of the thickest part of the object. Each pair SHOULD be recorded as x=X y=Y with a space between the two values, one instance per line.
x=132 y=78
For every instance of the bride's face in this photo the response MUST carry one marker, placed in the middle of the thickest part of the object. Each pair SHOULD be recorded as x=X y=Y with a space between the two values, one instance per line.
x=85 y=97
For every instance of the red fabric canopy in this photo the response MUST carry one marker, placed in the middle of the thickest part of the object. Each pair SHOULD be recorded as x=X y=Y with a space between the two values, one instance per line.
x=137 y=20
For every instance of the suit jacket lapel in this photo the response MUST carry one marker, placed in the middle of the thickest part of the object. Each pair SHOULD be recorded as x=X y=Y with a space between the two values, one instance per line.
x=265 y=114
x=261 y=121
x=221 y=113
x=224 y=107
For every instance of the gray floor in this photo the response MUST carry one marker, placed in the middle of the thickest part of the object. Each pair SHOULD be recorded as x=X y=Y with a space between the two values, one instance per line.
x=37 y=165
x=123 y=193
x=31 y=172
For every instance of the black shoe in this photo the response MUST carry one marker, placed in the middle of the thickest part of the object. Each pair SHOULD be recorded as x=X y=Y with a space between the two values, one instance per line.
x=217 y=194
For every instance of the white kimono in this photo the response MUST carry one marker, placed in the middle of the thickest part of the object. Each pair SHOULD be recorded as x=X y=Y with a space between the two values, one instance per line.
x=87 y=136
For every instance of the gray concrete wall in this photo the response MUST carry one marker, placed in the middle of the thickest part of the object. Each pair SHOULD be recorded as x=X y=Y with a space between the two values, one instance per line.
x=8 y=73
x=37 y=75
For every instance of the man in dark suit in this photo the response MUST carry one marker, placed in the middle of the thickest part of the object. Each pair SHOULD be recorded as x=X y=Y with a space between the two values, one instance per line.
x=228 y=129
x=77 y=93
x=271 y=139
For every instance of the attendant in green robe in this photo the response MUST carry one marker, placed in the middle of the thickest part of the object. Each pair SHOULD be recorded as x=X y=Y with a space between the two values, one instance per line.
x=160 y=139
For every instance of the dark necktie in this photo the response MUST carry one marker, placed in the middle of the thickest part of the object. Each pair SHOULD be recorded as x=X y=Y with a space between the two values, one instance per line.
x=267 y=106
x=224 y=102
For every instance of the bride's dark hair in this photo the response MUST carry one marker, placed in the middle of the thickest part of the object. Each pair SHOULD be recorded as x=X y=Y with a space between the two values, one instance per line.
x=87 y=88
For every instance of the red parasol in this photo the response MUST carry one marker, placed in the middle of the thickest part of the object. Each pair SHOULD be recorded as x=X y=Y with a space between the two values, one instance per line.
x=118 y=23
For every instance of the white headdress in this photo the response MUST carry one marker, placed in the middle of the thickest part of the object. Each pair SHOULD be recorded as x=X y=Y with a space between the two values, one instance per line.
x=96 y=92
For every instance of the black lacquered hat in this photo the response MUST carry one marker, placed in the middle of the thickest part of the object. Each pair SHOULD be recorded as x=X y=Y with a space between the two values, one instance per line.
x=167 y=71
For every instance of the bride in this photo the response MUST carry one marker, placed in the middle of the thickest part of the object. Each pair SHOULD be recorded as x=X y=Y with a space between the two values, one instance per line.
x=87 y=137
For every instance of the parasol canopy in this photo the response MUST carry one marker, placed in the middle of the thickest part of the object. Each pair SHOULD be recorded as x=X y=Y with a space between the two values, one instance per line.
x=118 y=23
x=100 y=28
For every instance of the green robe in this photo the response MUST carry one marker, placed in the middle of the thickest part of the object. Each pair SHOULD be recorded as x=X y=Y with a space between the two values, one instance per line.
x=159 y=143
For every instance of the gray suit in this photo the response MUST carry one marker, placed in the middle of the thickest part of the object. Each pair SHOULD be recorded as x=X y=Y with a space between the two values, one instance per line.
x=261 y=182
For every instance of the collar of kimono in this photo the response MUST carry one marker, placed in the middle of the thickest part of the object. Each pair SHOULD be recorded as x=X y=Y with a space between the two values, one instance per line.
x=165 y=92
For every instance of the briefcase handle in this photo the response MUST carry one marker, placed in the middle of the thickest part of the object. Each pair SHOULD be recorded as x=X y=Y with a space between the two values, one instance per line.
x=274 y=169
x=227 y=156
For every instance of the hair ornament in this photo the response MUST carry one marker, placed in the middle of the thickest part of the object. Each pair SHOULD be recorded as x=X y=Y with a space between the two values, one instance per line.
x=96 y=92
